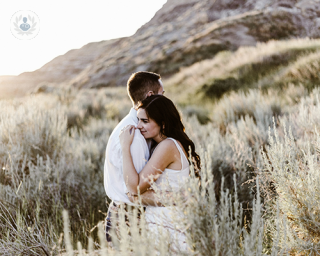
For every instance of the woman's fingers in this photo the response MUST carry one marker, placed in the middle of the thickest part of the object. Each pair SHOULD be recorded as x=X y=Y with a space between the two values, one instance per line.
x=127 y=127
x=126 y=135
x=131 y=130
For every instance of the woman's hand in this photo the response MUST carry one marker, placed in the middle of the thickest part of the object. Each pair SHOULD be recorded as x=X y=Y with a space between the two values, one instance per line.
x=126 y=136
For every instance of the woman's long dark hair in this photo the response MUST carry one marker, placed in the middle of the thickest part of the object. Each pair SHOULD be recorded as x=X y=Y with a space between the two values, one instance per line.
x=163 y=111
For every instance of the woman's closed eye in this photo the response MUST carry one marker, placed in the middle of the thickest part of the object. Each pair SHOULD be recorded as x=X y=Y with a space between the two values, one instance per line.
x=143 y=120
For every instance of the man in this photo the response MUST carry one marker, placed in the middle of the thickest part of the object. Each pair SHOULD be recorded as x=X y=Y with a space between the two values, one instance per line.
x=139 y=86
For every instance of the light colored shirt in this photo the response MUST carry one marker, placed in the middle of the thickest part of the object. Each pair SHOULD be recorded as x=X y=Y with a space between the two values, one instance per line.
x=114 y=182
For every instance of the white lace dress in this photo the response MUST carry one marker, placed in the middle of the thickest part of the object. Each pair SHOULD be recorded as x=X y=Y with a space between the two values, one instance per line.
x=158 y=217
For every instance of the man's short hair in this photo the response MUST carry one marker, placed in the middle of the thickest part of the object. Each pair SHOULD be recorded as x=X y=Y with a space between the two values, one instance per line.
x=140 y=83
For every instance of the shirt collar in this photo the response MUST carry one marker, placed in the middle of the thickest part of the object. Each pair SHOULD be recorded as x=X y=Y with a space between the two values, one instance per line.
x=133 y=114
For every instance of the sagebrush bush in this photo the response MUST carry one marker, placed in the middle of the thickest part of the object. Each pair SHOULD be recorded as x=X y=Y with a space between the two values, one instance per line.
x=47 y=167
x=292 y=166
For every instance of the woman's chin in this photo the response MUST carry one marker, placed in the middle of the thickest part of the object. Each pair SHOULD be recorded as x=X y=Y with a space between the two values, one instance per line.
x=143 y=134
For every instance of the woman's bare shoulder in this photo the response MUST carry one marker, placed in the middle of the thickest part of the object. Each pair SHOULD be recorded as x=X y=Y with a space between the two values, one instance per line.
x=167 y=143
x=166 y=146
x=162 y=156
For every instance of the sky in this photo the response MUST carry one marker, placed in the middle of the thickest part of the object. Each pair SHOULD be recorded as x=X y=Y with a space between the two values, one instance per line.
x=66 y=25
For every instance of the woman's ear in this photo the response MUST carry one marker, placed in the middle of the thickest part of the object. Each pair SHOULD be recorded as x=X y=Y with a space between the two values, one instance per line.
x=163 y=125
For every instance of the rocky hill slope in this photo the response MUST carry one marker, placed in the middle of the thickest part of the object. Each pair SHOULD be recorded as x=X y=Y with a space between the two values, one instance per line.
x=180 y=34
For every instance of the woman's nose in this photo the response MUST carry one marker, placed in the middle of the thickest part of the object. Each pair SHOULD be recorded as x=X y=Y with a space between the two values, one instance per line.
x=139 y=126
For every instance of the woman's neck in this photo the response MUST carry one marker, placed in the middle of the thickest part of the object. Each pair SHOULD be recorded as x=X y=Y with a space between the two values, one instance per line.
x=159 y=138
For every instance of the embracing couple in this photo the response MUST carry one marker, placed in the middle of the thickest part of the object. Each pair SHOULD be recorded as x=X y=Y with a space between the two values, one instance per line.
x=148 y=146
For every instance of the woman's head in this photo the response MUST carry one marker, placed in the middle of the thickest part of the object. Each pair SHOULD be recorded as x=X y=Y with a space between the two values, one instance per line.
x=159 y=119
x=148 y=127
x=158 y=113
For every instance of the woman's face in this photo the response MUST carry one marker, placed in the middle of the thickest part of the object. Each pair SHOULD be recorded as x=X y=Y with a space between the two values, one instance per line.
x=148 y=127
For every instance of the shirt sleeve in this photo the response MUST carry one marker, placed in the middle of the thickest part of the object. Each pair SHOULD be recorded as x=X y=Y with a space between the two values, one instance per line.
x=140 y=153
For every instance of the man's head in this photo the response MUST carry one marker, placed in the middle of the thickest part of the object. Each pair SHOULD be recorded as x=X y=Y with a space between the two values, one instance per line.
x=143 y=84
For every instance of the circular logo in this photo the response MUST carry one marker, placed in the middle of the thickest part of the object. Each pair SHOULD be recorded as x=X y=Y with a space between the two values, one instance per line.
x=25 y=25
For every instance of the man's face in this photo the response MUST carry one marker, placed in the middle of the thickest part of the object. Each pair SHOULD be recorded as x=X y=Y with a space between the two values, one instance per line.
x=161 y=90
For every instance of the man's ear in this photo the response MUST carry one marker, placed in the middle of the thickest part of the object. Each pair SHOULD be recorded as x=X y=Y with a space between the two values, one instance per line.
x=150 y=93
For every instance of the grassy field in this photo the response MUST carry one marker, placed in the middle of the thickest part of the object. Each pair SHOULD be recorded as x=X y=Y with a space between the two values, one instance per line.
x=254 y=117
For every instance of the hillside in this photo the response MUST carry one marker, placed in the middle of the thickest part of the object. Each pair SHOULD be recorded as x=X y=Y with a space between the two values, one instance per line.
x=272 y=65
x=179 y=35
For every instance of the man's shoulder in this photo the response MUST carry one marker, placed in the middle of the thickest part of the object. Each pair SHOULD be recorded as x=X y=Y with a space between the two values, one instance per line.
x=127 y=120
x=138 y=137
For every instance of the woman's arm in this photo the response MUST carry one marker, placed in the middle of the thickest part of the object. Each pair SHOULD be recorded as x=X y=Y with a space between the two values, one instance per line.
x=162 y=157
x=148 y=198
x=130 y=175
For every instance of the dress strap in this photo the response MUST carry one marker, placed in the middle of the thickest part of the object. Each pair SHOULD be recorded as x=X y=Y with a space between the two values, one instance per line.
x=181 y=152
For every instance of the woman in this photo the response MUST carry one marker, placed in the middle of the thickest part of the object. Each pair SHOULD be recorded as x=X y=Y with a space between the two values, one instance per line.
x=160 y=121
